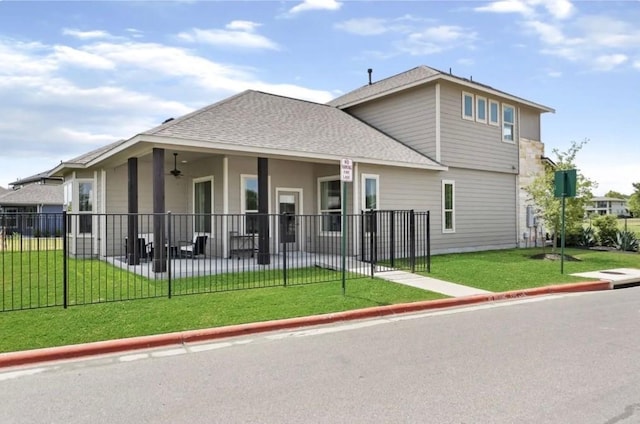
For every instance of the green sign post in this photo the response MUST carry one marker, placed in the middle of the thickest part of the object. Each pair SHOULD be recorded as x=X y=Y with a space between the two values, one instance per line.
x=565 y=186
x=346 y=176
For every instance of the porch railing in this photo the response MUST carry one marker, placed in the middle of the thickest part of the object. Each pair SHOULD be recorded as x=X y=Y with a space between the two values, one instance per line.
x=83 y=258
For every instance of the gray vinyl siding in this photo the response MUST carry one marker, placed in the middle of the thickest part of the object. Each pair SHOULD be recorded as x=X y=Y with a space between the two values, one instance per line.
x=485 y=204
x=529 y=124
x=471 y=144
x=409 y=117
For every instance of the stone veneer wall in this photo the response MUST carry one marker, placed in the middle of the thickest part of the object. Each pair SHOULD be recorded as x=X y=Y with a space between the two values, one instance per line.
x=531 y=165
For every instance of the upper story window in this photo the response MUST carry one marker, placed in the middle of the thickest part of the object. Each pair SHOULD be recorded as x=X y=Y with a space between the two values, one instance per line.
x=508 y=122
x=467 y=106
x=481 y=109
x=330 y=203
x=494 y=113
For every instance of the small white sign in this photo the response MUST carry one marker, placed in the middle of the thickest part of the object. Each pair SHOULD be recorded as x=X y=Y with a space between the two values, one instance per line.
x=346 y=170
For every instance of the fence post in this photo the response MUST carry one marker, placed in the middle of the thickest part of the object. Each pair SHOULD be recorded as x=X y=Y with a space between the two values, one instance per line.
x=65 y=295
x=412 y=238
x=168 y=250
x=392 y=237
x=429 y=241
x=372 y=241
x=283 y=242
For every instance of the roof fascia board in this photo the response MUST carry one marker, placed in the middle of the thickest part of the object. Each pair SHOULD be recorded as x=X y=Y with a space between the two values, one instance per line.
x=453 y=80
x=235 y=148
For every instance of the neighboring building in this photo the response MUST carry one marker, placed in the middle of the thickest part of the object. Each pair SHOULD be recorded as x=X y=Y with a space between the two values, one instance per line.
x=3 y=191
x=422 y=140
x=32 y=208
x=607 y=206
x=42 y=178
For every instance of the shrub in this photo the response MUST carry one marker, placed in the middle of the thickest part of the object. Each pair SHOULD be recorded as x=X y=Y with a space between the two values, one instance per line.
x=607 y=229
x=587 y=237
x=626 y=241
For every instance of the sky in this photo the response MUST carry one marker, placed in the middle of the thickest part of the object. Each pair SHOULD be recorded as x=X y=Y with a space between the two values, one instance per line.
x=76 y=75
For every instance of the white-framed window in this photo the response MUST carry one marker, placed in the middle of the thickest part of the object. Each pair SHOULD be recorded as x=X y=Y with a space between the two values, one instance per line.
x=370 y=189
x=202 y=204
x=467 y=106
x=508 y=123
x=68 y=196
x=330 y=203
x=494 y=113
x=85 y=206
x=249 y=202
x=481 y=109
x=448 y=206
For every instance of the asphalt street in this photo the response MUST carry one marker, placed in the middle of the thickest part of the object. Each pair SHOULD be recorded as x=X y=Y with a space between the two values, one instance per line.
x=549 y=359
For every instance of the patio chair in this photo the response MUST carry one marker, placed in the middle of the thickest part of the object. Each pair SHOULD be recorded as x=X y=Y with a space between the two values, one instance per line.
x=144 y=250
x=198 y=246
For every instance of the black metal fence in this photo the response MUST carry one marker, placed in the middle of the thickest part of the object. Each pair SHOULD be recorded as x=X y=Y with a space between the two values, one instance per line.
x=89 y=258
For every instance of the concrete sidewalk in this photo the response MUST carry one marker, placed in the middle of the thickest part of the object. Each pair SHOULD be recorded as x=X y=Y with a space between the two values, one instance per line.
x=428 y=283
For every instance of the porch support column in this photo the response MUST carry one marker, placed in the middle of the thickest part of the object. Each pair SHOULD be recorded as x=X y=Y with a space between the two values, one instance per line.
x=133 y=255
x=264 y=256
x=159 y=236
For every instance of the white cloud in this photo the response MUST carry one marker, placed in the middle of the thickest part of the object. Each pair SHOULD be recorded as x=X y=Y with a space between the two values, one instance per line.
x=609 y=61
x=466 y=61
x=506 y=6
x=307 y=5
x=554 y=74
x=237 y=34
x=69 y=55
x=550 y=34
x=558 y=9
x=247 y=26
x=86 y=35
x=437 y=39
x=364 y=26
x=636 y=64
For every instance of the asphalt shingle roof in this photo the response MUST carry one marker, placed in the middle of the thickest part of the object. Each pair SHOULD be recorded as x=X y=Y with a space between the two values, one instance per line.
x=88 y=157
x=260 y=120
x=410 y=78
x=34 y=194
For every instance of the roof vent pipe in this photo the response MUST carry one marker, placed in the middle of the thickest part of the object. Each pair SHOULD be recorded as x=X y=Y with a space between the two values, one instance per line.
x=370 y=71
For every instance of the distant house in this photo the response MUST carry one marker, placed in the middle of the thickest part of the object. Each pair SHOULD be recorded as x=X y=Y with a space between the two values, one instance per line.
x=33 y=206
x=422 y=139
x=607 y=206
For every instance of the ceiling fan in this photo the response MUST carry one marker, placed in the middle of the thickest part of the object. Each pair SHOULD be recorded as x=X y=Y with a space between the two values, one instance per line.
x=175 y=171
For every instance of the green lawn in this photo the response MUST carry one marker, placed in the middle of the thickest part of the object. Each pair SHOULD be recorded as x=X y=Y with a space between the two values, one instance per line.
x=503 y=270
x=37 y=328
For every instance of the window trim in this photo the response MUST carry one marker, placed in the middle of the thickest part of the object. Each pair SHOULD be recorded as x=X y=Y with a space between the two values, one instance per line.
x=513 y=124
x=76 y=201
x=465 y=116
x=243 y=201
x=478 y=119
x=497 y=121
x=193 y=200
x=363 y=190
x=320 y=180
x=453 y=208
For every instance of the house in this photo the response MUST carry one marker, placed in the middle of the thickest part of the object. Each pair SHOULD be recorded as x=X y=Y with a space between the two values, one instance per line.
x=607 y=206
x=422 y=140
x=32 y=206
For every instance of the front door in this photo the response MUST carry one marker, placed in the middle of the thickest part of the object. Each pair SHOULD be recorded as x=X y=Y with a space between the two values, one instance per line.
x=288 y=208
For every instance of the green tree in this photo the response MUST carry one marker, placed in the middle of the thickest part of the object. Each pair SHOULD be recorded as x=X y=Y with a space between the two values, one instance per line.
x=548 y=207
x=634 y=200
x=616 y=195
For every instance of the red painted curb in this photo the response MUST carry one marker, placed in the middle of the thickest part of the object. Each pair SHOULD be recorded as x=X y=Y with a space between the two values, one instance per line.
x=178 y=338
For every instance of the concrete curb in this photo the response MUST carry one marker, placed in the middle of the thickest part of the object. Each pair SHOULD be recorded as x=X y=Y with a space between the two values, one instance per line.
x=179 y=338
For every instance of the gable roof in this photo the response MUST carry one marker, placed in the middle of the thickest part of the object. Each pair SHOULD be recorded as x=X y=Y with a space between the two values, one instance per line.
x=40 y=177
x=418 y=76
x=34 y=194
x=263 y=123
x=82 y=160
